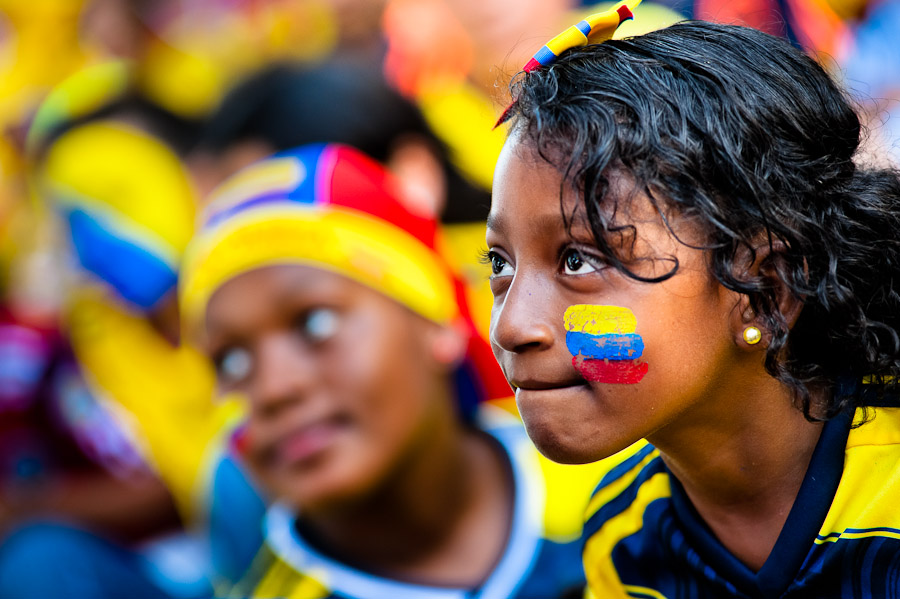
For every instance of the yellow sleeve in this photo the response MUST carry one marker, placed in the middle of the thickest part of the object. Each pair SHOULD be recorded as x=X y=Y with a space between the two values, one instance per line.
x=169 y=390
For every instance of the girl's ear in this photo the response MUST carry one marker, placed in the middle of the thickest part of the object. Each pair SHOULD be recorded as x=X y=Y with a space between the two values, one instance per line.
x=771 y=267
x=448 y=345
x=418 y=169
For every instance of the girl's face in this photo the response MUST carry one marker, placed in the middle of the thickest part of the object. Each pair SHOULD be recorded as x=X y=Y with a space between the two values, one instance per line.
x=340 y=379
x=599 y=360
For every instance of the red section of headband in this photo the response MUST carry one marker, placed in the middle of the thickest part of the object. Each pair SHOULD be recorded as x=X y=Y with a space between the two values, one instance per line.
x=360 y=183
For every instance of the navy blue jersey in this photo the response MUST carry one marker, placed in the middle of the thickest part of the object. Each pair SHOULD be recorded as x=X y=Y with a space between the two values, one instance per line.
x=841 y=538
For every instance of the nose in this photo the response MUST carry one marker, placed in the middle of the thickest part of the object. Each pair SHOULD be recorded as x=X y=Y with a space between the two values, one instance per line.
x=284 y=374
x=521 y=321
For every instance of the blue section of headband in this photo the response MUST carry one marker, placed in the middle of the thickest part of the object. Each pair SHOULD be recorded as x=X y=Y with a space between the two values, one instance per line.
x=306 y=192
x=138 y=275
x=584 y=27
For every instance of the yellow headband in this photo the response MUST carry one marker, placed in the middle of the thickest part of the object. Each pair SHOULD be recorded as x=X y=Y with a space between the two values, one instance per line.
x=281 y=228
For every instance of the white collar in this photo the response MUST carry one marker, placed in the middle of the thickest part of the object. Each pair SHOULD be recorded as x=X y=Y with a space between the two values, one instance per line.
x=502 y=583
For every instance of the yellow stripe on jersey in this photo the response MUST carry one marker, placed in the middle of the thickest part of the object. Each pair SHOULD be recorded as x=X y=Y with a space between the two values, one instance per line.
x=602 y=576
x=864 y=504
x=607 y=493
x=284 y=582
x=569 y=488
x=643 y=592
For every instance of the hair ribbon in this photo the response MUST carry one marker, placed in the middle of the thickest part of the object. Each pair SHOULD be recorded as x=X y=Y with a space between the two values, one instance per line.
x=593 y=29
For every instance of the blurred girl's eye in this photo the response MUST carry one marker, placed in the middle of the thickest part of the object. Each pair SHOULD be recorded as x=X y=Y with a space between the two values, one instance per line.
x=499 y=266
x=234 y=365
x=320 y=324
x=578 y=263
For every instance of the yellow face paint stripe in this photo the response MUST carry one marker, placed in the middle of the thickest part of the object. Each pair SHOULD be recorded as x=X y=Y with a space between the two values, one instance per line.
x=599 y=320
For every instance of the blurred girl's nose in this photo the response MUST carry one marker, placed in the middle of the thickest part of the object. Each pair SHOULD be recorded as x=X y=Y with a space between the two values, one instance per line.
x=284 y=373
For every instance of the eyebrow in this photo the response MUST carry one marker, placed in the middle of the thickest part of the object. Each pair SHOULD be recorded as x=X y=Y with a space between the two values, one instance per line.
x=540 y=222
x=494 y=221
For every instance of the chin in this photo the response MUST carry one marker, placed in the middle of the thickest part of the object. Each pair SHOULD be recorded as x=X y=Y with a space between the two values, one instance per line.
x=555 y=445
x=327 y=489
x=573 y=444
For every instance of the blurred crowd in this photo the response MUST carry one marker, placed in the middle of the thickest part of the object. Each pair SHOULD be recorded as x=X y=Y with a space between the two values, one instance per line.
x=117 y=120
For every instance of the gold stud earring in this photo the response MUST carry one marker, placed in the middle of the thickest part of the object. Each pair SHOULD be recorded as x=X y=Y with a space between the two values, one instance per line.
x=752 y=335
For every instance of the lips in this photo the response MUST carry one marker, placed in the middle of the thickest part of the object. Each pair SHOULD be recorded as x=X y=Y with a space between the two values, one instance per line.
x=541 y=385
x=307 y=442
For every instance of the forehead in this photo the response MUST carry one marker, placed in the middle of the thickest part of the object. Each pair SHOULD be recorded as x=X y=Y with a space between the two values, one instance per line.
x=263 y=291
x=531 y=191
x=526 y=185
x=530 y=198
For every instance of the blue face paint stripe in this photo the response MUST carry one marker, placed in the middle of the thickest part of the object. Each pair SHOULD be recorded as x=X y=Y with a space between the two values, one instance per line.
x=610 y=346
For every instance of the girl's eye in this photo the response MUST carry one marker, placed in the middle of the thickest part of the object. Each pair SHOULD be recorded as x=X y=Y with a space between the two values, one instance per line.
x=320 y=324
x=576 y=263
x=234 y=365
x=499 y=266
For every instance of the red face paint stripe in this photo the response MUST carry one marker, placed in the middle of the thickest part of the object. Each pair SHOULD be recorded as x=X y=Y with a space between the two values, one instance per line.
x=620 y=372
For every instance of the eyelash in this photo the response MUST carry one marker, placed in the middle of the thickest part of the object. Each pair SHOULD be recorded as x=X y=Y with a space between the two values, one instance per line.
x=488 y=257
x=596 y=262
x=588 y=258
x=484 y=256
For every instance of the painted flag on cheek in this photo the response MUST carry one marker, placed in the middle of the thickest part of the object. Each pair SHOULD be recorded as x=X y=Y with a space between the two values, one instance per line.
x=604 y=344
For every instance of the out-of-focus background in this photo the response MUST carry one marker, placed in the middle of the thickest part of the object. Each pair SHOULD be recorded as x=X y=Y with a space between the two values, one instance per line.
x=101 y=409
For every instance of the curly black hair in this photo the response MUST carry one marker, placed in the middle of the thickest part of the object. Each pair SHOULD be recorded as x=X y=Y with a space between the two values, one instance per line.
x=751 y=138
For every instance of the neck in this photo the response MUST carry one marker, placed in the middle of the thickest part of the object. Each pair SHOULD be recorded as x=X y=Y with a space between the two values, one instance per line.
x=742 y=468
x=441 y=517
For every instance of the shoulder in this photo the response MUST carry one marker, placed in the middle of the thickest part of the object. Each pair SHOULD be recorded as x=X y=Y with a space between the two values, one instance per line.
x=865 y=504
x=271 y=575
x=631 y=501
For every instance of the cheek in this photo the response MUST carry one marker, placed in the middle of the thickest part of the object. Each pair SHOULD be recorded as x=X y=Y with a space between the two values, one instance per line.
x=381 y=378
x=688 y=347
x=605 y=344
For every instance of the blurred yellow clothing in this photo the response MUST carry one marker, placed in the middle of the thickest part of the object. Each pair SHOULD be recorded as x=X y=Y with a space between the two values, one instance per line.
x=127 y=201
x=187 y=67
x=169 y=390
x=186 y=83
x=114 y=168
x=40 y=46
